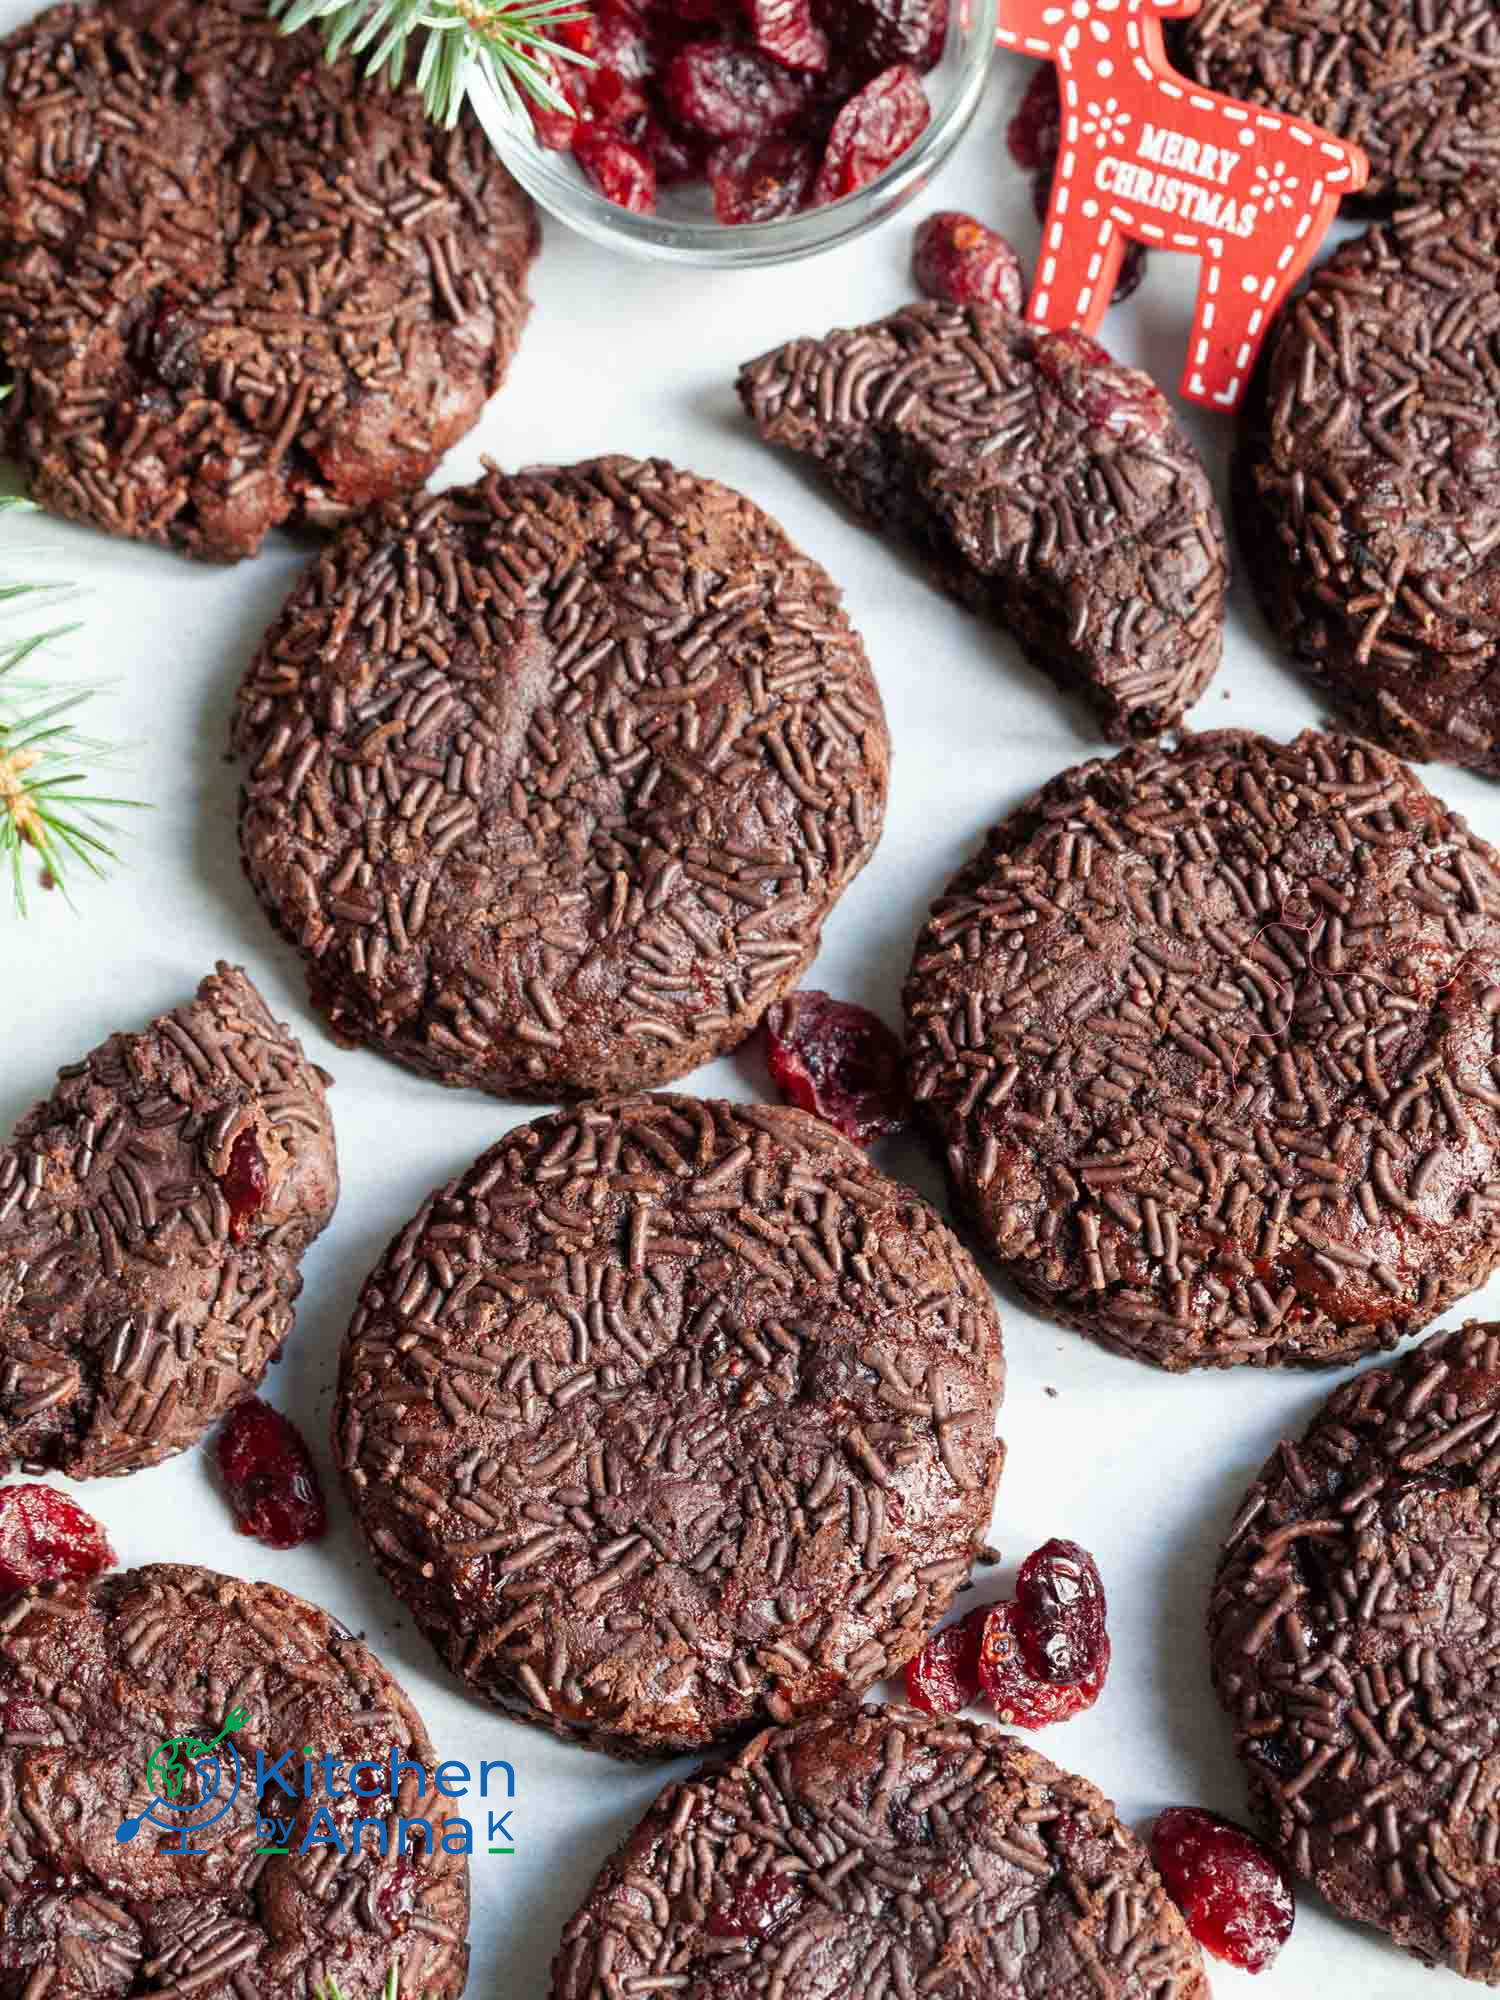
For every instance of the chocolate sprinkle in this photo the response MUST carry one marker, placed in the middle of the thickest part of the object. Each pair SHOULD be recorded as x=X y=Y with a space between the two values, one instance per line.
x=238 y=287
x=671 y=1417
x=555 y=778
x=1368 y=481
x=1356 y=1634
x=1211 y=1040
x=1095 y=539
x=93 y=1677
x=886 y=1855
x=135 y=1307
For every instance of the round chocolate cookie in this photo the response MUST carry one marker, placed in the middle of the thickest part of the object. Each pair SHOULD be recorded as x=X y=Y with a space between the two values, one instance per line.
x=153 y=1216
x=1411 y=81
x=95 y=1681
x=1367 y=485
x=670 y=1417
x=1211 y=1039
x=555 y=778
x=881 y=1853
x=238 y=287
x=1356 y=1644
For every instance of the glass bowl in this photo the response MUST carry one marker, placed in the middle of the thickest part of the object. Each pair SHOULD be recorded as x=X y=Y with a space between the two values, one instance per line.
x=684 y=230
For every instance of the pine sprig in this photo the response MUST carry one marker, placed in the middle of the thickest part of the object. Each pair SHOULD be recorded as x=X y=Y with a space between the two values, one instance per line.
x=390 y=1991
x=47 y=806
x=510 y=43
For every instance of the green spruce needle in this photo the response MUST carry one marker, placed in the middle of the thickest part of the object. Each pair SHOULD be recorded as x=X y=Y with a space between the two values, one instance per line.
x=48 y=806
x=390 y=1991
x=510 y=43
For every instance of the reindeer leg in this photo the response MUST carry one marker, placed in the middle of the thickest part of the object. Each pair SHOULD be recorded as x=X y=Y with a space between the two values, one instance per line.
x=1076 y=272
x=1237 y=301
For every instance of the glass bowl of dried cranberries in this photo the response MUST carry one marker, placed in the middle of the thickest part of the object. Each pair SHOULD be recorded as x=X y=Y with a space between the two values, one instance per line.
x=745 y=132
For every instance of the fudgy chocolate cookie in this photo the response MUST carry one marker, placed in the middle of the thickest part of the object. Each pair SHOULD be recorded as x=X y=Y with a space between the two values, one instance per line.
x=94 y=1678
x=1356 y=1644
x=555 y=778
x=153 y=1215
x=881 y=1853
x=1411 y=81
x=1047 y=487
x=1367 y=485
x=1210 y=1038
x=671 y=1417
x=237 y=287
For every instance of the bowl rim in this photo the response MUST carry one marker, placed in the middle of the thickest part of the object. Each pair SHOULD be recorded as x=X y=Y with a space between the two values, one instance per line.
x=562 y=191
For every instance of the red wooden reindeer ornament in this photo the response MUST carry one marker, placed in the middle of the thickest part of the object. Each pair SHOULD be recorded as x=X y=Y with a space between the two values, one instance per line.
x=1147 y=155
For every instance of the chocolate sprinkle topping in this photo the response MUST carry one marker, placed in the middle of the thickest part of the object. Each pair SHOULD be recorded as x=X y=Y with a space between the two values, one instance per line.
x=1368 y=481
x=671 y=1417
x=1211 y=1038
x=555 y=778
x=1062 y=501
x=238 y=287
x=883 y=1855
x=1356 y=1644
x=93 y=1677
x=1411 y=81
x=135 y=1306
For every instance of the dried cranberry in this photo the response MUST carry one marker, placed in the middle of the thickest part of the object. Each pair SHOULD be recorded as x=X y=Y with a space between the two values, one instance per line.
x=677 y=156
x=877 y=33
x=731 y=92
x=757 y=182
x=873 y=129
x=944 y=1677
x=621 y=48
x=1014 y=1691
x=270 y=1477
x=1233 y=1891
x=1101 y=389
x=1060 y=1599
x=1034 y=135
x=47 y=1538
x=956 y=258
x=786 y=31
x=245 y=1182
x=837 y=1060
x=765 y=1905
x=622 y=173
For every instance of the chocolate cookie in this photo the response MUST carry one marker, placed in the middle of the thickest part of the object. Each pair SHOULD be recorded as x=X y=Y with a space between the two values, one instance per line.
x=238 y=287
x=1046 y=486
x=883 y=1854
x=1411 y=81
x=555 y=778
x=1356 y=1636
x=670 y=1417
x=1367 y=486
x=94 y=1678
x=1211 y=1039
x=153 y=1215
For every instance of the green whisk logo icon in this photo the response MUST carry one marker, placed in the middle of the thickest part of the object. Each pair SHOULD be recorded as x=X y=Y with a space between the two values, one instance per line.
x=179 y=1807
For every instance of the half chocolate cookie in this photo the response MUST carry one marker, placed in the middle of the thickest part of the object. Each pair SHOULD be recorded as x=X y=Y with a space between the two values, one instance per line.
x=672 y=1417
x=153 y=1216
x=1046 y=486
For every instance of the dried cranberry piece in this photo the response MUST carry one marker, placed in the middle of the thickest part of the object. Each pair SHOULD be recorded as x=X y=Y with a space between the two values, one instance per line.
x=874 y=128
x=621 y=47
x=47 y=1538
x=765 y=1905
x=838 y=1060
x=944 y=1677
x=618 y=104
x=874 y=34
x=1101 y=389
x=621 y=171
x=956 y=258
x=1234 y=1893
x=677 y=156
x=271 y=1480
x=758 y=182
x=1014 y=1691
x=731 y=92
x=1034 y=134
x=245 y=1182
x=1060 y=1599
x=786 y=31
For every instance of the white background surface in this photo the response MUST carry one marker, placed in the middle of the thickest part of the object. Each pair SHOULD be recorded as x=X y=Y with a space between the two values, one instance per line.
x=1144 y=1469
